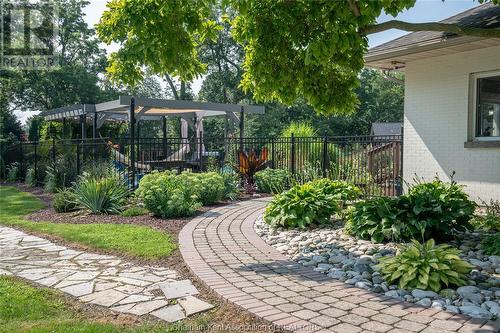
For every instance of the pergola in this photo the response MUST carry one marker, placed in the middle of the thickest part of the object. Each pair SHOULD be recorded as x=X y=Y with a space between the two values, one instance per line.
x=134 y=109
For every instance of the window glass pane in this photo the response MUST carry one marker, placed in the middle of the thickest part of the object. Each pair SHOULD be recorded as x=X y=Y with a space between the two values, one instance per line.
x=488 y=106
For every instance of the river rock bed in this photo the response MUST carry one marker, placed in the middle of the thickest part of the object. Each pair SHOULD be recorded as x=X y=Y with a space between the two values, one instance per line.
x=345 y=258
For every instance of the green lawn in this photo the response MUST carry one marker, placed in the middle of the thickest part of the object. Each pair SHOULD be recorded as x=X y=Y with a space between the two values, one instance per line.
x=24 y=308
x=138 y=241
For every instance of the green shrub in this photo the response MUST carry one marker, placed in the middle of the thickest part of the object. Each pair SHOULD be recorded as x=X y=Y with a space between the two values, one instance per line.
x=490 y=221
x=13 y=172
x=64 y=201
x=301 y=206
x=441 y=207
x=378 y=219
x=425 y=266
x=30 y=178
x=429 y=210
x=134 y=211
x=209 y=186
x=491 y=245
x=341 y=190
x=232 y=185
x=271 y=180
x=166 y=194
x=100 y=195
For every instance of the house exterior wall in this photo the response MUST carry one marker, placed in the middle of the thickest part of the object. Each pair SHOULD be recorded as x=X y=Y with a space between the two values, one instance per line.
x=436 y=121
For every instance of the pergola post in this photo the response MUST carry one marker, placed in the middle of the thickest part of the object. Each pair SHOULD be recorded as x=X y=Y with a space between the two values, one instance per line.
x=242 y=128
x=164 y=134
x=83 y=128
x=131 y=116
x=64 y=128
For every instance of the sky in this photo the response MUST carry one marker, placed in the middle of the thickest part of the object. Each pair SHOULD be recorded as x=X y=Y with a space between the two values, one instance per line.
x=424 y=11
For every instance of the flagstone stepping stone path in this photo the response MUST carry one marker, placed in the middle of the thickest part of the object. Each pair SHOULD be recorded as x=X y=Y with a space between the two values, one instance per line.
x=223 y=250
x=99 y=279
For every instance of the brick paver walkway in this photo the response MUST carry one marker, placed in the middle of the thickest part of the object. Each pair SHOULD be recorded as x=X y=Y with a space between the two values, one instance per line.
x=223 y=250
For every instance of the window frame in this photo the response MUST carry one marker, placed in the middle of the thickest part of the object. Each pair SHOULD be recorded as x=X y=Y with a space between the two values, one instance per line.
x=474 y=105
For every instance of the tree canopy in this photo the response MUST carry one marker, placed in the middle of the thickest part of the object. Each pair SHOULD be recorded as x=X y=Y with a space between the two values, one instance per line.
x=292 y=49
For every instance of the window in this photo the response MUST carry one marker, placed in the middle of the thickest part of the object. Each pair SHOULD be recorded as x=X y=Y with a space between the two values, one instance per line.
x=487 y=106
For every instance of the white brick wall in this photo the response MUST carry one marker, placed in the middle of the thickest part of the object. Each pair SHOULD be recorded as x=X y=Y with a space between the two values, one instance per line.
x=436 y=118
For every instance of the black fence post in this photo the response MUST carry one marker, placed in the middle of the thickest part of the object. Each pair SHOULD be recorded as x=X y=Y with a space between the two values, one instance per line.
x=77 y=157
x=54 y=152
x=292 y=154
x=21 y=153
x=325 y=156
x=35 y=164
x=131 y=114
x=273 y=154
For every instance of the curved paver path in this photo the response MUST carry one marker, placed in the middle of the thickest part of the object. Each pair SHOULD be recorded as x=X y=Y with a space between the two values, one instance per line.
x=223 y=250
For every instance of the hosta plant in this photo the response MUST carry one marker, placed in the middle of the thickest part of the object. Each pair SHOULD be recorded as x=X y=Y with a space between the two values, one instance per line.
x=341 y=190
x=425 y=266
x=442 y=207
x=100 y=195
x=379 y=219
x=301 y=206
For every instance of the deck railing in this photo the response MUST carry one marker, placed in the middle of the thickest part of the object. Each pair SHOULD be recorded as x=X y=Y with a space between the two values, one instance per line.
x=374 y=163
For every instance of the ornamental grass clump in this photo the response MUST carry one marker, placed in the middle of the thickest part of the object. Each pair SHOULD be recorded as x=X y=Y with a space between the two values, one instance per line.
x=425 y=266
x=100 y=195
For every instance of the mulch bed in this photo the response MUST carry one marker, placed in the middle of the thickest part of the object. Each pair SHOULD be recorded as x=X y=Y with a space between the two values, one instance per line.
x=225 y=313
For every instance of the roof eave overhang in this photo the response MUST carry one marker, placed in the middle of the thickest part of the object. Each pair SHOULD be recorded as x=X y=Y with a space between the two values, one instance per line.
x=372 y=60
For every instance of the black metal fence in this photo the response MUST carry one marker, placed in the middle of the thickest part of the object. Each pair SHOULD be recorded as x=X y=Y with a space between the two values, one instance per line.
x=374 y=163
